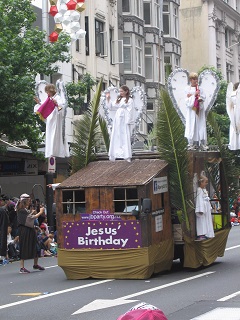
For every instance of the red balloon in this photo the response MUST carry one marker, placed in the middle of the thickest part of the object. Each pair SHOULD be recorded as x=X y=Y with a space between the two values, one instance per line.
x=80 y=1
x=71 y=5
x=53 y=11
x=53 y=36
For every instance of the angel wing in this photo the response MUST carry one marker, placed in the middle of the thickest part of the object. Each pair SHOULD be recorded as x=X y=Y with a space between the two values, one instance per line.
x=40 y=90
x=139 y=98
x=237 y=111
x=229 y=102
x=61 y=90
x=210 y=83
x=140 y=103
x=103 y=109
x=177 y=83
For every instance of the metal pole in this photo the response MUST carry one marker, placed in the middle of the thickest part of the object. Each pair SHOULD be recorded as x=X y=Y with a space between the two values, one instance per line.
x=45 y=20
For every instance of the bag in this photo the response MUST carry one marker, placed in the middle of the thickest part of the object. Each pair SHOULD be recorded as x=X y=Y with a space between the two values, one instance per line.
x=29 y=221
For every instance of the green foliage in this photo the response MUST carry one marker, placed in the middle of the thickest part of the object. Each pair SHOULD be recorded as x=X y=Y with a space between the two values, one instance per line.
x=230 y=162
x=77 y=91
x=87 y=133
x=23 y=55
x=172 y=147
x=104 y=130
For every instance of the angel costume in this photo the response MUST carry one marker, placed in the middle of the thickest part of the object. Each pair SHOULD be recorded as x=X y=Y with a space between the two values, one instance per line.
x=195 y=129
x=203 y=209
x=55 y=142
x=120 y=141
x=233 y=110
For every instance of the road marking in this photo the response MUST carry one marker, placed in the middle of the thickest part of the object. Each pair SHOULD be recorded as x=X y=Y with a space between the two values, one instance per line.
x=230 y=248
x=34 y=294
x=220 y=313
x=103 y=304
x=54 y=294
x=229 y=296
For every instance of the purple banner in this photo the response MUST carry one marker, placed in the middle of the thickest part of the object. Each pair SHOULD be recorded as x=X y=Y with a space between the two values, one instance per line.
x=125 y=234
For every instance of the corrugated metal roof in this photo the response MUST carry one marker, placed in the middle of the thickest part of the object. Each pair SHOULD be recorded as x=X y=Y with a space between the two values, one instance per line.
x=118 y=173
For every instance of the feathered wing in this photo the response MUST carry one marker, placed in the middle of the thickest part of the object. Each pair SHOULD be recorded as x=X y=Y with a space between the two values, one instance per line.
x=177 y=83
x=139 y=99
x=40 y=90
x=103 y=109
x=61 y=90
x=172 y=147
x=237 y=111
x=229 y=102
x=87 y=131
x=210 y=83
x=140 y=103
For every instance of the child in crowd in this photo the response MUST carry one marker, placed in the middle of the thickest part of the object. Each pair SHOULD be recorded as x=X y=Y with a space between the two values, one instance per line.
x=12 y=253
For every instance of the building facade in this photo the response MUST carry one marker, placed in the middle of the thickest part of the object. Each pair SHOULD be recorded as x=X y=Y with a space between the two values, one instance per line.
x=209 y=33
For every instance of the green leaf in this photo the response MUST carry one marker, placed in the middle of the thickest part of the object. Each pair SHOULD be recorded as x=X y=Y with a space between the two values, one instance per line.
x=172 y=147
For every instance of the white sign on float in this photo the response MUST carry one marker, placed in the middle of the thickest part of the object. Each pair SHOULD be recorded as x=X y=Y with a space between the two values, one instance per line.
x=160 y=185
x=52 y=164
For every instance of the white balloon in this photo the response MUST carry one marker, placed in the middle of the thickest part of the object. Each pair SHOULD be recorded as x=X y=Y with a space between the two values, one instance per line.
x=58 y=18
x=75 y=26
x=62 y=8
x=81 y=34
x=75 y=16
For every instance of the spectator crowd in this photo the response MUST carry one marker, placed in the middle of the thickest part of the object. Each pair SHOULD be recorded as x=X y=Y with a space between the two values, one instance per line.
x=12 y=234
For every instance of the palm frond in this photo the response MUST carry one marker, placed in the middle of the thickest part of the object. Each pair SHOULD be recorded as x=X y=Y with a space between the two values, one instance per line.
x=87 y=131
x=230 y=161
x=173 y=148
x=104 y=130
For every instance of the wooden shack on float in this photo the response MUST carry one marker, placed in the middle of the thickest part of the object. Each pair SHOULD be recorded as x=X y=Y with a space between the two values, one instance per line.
x=114 y=220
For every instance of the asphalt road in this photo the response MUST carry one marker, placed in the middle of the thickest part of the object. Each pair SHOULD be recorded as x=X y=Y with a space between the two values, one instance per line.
x=205 y=294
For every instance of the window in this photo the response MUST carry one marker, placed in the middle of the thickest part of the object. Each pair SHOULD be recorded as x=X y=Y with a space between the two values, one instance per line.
x=147 y=12
x=228 y=38
x=137 y=4
x=166 y=20
x=87 y=37
x=116 y=49
x=100 y=38
x=125 y=200
x=149 y=105
x=77 y=45
x=127 y=53
x=148 y=63
x=73 y=201
x=175 y=21
x=125 y=6
x=139 y=55
x=157 y=13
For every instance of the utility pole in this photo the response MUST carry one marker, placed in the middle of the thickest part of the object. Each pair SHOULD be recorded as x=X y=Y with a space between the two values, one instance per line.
x=45 y=18
x=49 y=175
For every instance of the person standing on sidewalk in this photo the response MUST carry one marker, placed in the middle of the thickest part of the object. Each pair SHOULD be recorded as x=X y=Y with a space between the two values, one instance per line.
x=27 y=232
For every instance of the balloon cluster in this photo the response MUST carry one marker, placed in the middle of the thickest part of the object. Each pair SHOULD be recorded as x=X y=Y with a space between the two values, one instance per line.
x=66 y=15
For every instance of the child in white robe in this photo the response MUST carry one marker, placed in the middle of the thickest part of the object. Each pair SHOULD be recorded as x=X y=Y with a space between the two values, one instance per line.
x=204 y=223
x=195 y=129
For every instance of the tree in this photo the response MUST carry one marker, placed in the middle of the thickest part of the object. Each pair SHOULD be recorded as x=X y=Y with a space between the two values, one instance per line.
x=23 y=55
x=77 y=91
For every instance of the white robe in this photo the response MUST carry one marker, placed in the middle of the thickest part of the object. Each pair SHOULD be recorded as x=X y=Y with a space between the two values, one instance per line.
x=55 y=144
x=120 y=141
x=195 y=129
x=204 y=223
x=233 y=111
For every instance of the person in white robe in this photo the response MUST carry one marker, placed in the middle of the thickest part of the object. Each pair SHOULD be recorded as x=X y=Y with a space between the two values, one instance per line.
x=55 y=142
x=204 y=222
x=195 y=128
x=120 y=140
x=233 y=110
